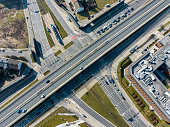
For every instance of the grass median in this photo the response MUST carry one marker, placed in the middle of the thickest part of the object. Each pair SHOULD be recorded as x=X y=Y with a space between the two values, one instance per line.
x=47 y=72
x=23 y=90
x=44 y=9
x=57 y=53
x=98 y=100
x=146 y=112
x=68 y=45
x=50 y=41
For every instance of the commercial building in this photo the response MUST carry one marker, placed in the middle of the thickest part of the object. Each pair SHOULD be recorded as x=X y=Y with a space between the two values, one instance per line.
x=78 y=6
x=141 y=75
x=7 y=63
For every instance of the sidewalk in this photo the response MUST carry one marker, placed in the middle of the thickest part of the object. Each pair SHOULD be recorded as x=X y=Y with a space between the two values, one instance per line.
x=124 y=55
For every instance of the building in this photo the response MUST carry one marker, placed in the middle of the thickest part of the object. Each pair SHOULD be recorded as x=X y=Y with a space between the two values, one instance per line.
x=141 y=75
x=7 y=63
x=78 y=7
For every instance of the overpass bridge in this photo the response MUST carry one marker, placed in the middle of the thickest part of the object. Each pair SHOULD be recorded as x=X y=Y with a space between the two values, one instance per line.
x=31 y=98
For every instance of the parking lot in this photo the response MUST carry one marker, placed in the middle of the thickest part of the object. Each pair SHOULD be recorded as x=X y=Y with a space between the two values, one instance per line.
x=117 y=18
x=117 y=98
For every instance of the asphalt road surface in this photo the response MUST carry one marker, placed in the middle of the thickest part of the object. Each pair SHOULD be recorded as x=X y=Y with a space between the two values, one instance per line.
x=7 y=118
x=92 y=70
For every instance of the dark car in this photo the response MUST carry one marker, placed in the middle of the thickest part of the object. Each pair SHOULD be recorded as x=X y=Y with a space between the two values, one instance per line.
x=102 y=31
x=47 y=81
x=110 y=25
x=132 y=9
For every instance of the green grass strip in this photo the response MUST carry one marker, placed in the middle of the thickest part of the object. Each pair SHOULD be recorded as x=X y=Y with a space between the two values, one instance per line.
x=47 y=72
x=32 y=58
x=50 y=41
x=68 y=45
x=57 y=53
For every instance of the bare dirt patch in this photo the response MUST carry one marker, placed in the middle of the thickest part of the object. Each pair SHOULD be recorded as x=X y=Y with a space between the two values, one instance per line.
x=13 y=30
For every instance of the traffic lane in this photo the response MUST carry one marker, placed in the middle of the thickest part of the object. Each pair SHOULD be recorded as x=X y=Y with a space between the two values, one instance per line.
x=97 y=55
x=73 y=71
x=120 y=38
x=68 y=87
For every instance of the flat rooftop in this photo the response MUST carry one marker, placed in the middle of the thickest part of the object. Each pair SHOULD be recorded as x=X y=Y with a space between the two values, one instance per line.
x=142 y=73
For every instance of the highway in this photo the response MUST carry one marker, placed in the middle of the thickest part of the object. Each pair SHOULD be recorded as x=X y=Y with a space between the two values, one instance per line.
x=104 y=62
x=7 y=118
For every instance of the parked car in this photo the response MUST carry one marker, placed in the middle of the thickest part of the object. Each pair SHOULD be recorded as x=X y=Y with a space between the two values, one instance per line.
x=105 y=28
x=92 y=16
x=110 y=25
x=102 y=30
x=98 y=33
x=108 y=5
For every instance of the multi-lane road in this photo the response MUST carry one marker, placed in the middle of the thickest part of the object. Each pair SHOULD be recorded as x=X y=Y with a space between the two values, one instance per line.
x=9 y=113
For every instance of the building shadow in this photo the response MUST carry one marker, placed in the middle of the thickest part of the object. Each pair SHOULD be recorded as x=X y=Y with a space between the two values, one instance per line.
x=5 y=93
x=38 y=48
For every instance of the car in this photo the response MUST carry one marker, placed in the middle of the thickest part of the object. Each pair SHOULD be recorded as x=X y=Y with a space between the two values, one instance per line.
x=48 y=81
x=98 y=32
x=115 y=23
x=108 y=5
x=115 y=20
x=19 y=51
x=116 y=89
x=118 y=19
x=24 y=111
x=43 y=96
x=128 y=11
x=105 y=28
x=132 y=9
x=102 y=30
x=36 y=11
x=106 y=82
x=124 y=15
x=110 y=25
x=121 y=18
x=19 y=111
x=92 y=16
x=68 y=18
x=81 y=68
